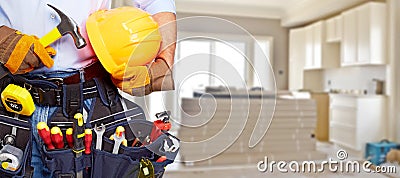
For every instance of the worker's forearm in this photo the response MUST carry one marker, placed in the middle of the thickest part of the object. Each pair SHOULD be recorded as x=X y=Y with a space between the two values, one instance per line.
x=167 y=23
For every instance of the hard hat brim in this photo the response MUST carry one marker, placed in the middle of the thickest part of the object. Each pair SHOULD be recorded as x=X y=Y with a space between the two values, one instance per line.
x=100 y=50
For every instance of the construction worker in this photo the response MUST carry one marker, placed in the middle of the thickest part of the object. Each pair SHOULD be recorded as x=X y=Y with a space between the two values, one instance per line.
x=63 y=64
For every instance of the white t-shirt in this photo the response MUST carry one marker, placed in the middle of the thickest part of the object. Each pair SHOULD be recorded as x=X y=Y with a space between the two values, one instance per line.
x=36 y=18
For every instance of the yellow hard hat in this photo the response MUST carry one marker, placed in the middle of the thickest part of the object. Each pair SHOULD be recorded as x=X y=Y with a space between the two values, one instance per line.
x=124 y=33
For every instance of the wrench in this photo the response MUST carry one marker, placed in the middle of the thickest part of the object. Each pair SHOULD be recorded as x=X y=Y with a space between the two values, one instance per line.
x=117 y=142
x=174 y=147
x=99 y=135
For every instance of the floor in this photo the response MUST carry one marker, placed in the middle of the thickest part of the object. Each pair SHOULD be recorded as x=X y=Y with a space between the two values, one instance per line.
x=178 y=170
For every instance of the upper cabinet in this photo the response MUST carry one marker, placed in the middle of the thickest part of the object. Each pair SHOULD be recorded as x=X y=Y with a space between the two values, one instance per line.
x=364 y=35
x=296 y=58
x=334 y=29
x=349 y=40
x=319 y=54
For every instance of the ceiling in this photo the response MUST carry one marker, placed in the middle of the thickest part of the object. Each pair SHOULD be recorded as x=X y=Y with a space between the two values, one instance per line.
x=265 y=3
x=291 y=12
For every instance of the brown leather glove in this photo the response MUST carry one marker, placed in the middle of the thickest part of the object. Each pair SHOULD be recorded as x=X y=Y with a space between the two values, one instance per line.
x=22 y=53
x=142 y=80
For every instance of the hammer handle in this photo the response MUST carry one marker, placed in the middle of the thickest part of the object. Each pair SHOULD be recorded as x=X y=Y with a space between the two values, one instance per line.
x=50 y=37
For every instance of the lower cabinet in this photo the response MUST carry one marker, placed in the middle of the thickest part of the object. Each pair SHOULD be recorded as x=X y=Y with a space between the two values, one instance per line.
x=355 y=120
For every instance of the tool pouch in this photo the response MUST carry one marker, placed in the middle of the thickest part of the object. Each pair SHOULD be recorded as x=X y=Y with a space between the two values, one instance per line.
x=127 y=162
x=63 y=163
x=22 y=141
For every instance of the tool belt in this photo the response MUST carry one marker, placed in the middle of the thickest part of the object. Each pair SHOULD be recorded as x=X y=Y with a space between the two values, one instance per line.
x=62 y=163
x=52 y=91
x=68 y=96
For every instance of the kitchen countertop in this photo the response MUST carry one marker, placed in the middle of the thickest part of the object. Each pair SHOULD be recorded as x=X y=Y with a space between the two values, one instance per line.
x=347 y=94
x=357 y=95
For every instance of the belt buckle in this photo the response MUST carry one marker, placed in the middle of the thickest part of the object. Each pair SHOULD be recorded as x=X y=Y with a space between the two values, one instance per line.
x=57 y=81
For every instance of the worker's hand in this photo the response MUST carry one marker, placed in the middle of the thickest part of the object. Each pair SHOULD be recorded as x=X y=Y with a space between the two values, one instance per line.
x=22 y=53
x=142 y=80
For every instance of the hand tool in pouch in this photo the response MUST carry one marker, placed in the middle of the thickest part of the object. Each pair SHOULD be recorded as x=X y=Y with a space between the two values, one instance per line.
x=161 y=159
x=146 y=169
x=174 y=147
x=66 y=26
x=69 y=137
x=78 y=135
x=57 y=137
x=11 y=157
x=44 y=133
x=88 y=140
x=9 y=139
x=163 y=120
x=161 y=125
x=119 y=131
x=118 y=137
x=99 y=135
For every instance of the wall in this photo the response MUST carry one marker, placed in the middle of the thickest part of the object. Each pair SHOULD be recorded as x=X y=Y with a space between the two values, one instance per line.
x=349 y=78
x=255 y=26
x=394 y=71
x=345 y=78
x=118 y=3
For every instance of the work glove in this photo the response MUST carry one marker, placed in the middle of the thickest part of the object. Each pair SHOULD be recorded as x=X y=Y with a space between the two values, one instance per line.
x=143 y=80
x=22 y=53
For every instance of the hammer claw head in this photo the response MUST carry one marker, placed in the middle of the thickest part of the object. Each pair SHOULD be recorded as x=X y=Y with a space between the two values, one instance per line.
x=69 y=26
x=60 y=13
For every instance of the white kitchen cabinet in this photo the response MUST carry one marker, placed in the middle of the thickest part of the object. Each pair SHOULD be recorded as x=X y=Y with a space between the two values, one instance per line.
x=364 y=35
x=356 y=120
x=307 y=51
x=330 y=30
x=319 y=54
x=309 y=44
x=349 y=40
x=334 y=29
x=296 y=58
x=371 y=38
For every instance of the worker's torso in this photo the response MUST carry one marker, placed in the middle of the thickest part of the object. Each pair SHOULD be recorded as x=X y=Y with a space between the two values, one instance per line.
x=36 y=18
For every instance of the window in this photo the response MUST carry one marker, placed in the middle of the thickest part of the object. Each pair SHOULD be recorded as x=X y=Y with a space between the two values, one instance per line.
x=229 y=64
x=233 y=61
x=262 y=76
x=192 y=64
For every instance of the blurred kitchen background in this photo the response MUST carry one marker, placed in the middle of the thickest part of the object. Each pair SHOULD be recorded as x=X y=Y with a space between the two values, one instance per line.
x=326 y=71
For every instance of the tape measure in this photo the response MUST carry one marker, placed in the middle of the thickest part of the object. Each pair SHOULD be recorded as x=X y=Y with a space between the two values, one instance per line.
x=17 y=100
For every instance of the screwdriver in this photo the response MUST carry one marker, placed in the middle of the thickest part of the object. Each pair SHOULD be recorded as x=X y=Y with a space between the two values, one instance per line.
x=57 y=137
x=78 y=137
x=78 y=133
x=70 y=138
x=88 y=140
x=44 y=133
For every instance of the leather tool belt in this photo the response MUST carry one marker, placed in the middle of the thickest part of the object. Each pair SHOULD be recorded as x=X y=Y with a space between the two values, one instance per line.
x=52 y=91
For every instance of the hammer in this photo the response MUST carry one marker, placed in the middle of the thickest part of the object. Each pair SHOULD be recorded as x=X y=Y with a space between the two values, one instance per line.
x=66 y=26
